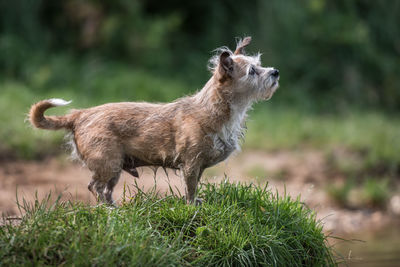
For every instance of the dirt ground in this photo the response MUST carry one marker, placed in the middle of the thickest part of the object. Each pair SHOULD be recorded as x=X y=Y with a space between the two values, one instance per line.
x=296 y=173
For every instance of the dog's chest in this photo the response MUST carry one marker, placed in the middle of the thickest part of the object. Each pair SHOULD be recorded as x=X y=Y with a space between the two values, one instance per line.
x=222 y=148
x=227 y=139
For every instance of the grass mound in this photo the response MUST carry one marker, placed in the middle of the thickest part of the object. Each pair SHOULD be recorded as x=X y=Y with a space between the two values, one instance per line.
x=237 y=225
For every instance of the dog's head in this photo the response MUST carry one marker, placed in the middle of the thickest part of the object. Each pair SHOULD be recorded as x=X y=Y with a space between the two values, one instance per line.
x=244 y=73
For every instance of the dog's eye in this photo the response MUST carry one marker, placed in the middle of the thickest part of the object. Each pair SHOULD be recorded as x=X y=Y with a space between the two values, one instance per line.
x=252 y=71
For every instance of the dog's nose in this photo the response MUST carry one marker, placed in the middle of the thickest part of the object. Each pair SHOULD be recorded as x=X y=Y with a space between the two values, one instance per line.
x=275 y=73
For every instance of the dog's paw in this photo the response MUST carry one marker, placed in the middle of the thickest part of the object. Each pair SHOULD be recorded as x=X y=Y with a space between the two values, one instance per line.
x=198 y=201
x=112 y=205
x=107 y=205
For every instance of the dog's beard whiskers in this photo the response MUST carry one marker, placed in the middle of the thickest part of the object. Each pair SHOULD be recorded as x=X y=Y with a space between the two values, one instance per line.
x=266 y=90
x=265 y=87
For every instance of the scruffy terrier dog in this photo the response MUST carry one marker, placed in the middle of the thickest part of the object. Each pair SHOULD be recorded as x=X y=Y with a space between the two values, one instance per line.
x=189 y=134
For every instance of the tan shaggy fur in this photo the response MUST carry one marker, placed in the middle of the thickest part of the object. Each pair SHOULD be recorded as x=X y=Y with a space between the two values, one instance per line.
x=189 y=134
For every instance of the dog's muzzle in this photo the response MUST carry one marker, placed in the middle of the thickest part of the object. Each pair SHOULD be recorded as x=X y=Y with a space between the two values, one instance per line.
x=271 y=83
x=274 y=76
x=274 y=73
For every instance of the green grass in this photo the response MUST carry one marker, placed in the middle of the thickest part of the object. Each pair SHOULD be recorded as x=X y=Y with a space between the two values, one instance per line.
x=237 y=225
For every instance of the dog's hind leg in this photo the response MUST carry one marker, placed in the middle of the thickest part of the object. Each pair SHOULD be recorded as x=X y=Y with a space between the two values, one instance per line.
x=103 y=183
x=92 y=188
x=102 y=189
x=97 y=188
x=106 y=167
x=109 y=189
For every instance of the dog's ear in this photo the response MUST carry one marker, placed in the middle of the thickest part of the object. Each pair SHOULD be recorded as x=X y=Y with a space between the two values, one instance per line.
x=225 y=64
x=241 y=45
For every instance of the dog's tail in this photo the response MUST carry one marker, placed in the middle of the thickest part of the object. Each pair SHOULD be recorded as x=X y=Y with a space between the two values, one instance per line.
x=37 y=118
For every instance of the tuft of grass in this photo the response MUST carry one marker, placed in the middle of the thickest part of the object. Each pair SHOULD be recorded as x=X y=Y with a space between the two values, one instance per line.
x=237 y=225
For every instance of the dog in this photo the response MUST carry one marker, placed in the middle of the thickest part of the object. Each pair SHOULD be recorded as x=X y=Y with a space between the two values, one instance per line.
x=189 y=135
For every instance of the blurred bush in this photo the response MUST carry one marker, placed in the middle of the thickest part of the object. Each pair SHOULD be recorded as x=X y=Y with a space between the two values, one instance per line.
x=332 y=54
x=372 y=193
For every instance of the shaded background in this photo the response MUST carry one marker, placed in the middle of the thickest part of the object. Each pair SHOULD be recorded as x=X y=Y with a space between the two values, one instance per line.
x=332 y=54
x=334 y=122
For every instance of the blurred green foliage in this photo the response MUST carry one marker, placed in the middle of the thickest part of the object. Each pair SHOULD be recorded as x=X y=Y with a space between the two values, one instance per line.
x=333 y=55
x=368 y=193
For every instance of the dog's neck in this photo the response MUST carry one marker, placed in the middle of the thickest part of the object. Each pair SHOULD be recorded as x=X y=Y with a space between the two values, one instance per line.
x=220 y=99
x=226 y=111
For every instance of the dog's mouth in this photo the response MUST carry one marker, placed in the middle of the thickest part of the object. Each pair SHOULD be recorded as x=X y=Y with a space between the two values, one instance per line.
x=275 y=80
x=271 y=85
x=275 y=83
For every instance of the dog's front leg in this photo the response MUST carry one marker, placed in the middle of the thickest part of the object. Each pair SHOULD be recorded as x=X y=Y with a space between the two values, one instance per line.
x=191 y=176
